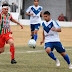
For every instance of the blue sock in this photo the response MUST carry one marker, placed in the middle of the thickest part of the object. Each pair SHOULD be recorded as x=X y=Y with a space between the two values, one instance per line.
x=35 y=37
x=52 y=56
x=67 y=59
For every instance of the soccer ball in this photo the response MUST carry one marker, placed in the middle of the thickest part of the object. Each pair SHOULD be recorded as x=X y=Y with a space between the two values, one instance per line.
x=32 y=43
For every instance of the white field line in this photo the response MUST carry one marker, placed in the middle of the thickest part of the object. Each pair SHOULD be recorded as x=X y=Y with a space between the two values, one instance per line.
x=37 y=51
x=19 y=52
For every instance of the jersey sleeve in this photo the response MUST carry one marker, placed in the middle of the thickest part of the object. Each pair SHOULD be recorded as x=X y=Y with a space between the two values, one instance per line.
x=56 y=25
x=28 y=10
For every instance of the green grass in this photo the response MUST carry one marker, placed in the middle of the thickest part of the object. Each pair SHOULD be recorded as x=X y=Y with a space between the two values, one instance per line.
x=33 y=62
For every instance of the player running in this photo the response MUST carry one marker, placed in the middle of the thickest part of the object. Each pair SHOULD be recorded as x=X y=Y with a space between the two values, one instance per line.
x=35 y=20
x=51 y=38
x=5 y=31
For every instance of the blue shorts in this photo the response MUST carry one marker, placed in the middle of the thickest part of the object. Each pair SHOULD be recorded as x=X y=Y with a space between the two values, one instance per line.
x=57 y=45
x=35 y=26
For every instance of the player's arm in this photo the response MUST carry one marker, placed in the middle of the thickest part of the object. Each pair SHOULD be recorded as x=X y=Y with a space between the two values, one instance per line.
x=42 y=39
x=41 y=14
x=28 y=11
x=13 y=20
x=57 y=30
x=56 y=27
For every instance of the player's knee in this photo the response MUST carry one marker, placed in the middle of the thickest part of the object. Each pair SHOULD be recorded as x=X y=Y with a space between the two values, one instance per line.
x=48 y=50
x=63 y=54
x=11 y=42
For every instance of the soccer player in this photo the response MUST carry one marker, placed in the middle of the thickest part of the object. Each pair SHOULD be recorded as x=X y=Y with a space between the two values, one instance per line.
x=5 y=31
x=51 y=38
x=35 y=20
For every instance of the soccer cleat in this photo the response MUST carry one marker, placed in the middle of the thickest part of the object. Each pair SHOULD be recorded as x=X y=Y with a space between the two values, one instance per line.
x=70 y=66
x=57 y=63
x=13 y=61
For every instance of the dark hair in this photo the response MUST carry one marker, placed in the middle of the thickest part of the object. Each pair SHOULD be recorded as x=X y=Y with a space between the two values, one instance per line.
x=37 y=0
x=47 y=12
x=5 y=4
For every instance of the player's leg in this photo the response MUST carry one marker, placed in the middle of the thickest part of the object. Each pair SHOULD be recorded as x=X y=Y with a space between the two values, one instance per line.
x=49 y=48
x=50 y=53
x=12 y=50
x=9 y=40
x=32 y=34
x=37 y=26
x=61 y=50
x=66 y=58
x=32 y=26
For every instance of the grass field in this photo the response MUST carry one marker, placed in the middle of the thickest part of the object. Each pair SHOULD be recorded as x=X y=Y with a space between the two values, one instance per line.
x=34 y=60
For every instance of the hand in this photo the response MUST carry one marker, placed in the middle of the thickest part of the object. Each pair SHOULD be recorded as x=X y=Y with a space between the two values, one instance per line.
x=41 y=42
x=21 y=26
x=53 y=29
